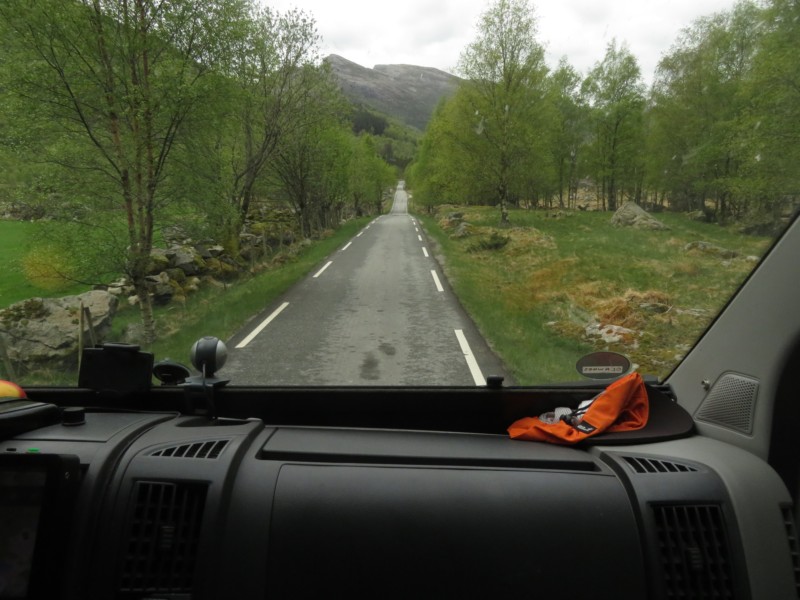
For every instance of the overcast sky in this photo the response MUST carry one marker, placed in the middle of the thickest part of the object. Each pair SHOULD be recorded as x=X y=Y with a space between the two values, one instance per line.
x=432 y=33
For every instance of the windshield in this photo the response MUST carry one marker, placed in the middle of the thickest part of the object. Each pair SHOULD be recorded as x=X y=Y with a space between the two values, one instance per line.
x=348 y=197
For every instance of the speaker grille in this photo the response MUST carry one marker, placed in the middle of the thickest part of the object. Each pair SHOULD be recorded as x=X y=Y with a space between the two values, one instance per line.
x=731 y=403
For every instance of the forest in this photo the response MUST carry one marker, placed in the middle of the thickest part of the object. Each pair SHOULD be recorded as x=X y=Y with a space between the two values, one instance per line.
x=716 y=134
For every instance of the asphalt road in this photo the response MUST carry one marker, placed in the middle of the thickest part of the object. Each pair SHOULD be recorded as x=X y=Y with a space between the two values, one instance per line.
x=378 y=311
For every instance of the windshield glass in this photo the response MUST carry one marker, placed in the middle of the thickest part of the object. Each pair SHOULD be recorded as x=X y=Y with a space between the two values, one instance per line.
x=344 y=196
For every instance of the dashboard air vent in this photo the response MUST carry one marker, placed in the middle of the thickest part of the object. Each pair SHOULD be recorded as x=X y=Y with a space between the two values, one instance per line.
x=642 y=464
x=794 y=548
x=207 y=449
x=694 y=551
x=163 y=536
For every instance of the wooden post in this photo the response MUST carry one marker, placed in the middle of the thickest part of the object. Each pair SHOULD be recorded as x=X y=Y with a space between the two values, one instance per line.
x=80 y=336
x=12 y=376
x=92 y=335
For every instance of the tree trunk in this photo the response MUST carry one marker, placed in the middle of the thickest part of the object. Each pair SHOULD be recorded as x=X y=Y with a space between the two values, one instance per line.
x=146 y=308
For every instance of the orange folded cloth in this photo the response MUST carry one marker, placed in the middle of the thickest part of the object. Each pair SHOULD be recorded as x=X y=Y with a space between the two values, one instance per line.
x=622 y=406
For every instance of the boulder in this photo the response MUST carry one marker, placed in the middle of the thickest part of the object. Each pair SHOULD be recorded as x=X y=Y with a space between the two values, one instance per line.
x=631 y=214
x=251 y=247
x=176 y=275
x=159 y=260
x=222 y=270
x=42 y=333
x=187 y=259
x=161 y=293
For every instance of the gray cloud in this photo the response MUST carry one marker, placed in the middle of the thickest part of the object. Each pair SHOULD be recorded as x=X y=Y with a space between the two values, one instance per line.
x=435 y=33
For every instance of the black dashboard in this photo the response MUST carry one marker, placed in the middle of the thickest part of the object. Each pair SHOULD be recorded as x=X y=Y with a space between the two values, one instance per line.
x=365 y=492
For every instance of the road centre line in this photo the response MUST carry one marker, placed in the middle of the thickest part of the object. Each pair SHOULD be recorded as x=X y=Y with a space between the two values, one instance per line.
x=437 y=282
x=330 y=262
x=261 y=327
x=346 y=247
x=474 y=369
x=425 y=251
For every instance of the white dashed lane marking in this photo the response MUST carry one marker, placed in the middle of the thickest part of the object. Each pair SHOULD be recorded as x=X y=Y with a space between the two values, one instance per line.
x=474 y=369
x=437 y=282
x=261 y=327
x=322 y=270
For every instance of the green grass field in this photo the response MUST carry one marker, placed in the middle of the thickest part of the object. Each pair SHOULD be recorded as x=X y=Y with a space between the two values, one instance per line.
x=533 y=298
x=14 y=286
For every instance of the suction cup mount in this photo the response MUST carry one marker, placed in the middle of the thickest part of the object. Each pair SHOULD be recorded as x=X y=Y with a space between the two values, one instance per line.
x=208 y=355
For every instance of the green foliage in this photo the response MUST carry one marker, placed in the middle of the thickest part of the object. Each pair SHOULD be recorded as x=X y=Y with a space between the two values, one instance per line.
x=718 y=132
x=500 y=112
x=616 y=95
x=698 y=149
x=129 y=118
x=366 y=121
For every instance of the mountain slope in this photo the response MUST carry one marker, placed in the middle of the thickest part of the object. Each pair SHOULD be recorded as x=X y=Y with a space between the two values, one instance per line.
x=407 y=92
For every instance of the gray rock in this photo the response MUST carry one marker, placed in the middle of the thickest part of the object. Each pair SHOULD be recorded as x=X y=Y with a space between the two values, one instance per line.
x=463 y=230
x=631 y=214
x=159 y=260
x=709 y=248
x=216 y=251
x=162 y=293
x=133 y=334
x=697 y=215
x=187 y=259
x=43 y=332
x=608 y=333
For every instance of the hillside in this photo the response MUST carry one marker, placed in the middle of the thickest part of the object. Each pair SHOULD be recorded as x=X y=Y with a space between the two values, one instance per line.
x=407 y=92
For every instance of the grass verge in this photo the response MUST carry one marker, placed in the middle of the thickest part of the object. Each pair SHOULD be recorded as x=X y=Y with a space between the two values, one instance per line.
x=218 y=311
x=221 y=312
x=536 y=297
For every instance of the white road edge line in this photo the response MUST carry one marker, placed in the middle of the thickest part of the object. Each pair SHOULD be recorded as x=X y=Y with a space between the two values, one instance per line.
x=420 y=237
x=330 y=262
x=346 y=247
x=360 y=234
x=260 y=328
x=425 y=251
x=474 y=369
x=437 y=282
